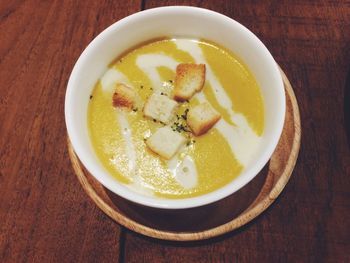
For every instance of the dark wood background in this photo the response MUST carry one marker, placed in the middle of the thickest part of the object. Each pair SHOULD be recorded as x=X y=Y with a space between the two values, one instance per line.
x=45 y=216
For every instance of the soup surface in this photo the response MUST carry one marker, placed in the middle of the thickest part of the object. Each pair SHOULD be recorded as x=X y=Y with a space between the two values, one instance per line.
x=206 y=162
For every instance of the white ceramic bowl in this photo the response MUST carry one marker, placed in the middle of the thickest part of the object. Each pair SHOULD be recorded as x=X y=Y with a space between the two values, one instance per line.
x=173 y=21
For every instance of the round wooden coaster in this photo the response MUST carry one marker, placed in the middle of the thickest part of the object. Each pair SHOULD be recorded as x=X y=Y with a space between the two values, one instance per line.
x=213 y=219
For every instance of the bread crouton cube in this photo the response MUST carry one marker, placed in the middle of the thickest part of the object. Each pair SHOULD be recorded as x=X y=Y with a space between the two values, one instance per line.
x=160 y=108
x=189 y=79
x=124 y=96
x=165 y=142
x=201 y=118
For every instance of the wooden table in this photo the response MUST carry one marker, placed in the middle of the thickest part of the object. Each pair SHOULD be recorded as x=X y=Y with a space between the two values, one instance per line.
x=45 y=216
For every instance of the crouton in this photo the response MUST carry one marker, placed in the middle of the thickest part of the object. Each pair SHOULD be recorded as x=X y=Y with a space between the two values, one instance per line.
x=160 y=108
x=165 y=142
x=189 y=79
x=124 y=96
x=201 y=118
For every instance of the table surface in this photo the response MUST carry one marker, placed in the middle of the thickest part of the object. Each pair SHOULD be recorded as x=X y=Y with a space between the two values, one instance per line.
x=45 y=216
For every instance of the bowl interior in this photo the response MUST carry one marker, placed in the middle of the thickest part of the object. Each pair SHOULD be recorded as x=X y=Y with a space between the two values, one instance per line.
x=187 y=22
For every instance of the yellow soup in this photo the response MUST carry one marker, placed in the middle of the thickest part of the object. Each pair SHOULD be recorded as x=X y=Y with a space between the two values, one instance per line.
x=218 y=156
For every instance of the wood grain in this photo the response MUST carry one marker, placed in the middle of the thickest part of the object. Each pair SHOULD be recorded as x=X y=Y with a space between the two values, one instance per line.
x=310 y=222
x=44 y=214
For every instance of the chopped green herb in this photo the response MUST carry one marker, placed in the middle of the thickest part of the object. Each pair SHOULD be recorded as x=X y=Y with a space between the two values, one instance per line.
x=135 y=109
x=154 y=120
x=190 y=142
x=179 y=127
x=141 y=87
x=91 y=97
x=184 y=116
x=170 y=81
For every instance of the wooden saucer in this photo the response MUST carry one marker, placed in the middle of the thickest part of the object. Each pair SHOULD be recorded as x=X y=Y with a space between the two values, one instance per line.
x=213 y=219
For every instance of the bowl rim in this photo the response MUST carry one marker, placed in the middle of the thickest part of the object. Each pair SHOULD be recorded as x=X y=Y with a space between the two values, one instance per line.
x=116 y=187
